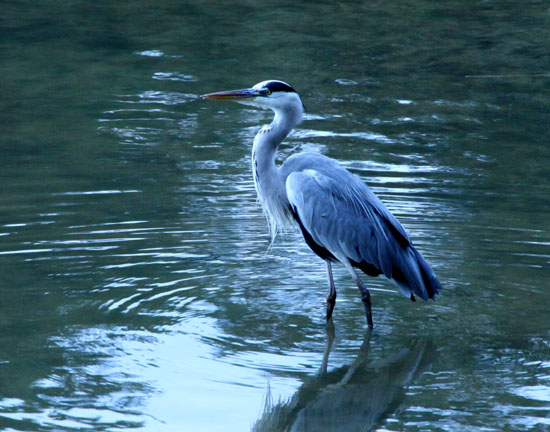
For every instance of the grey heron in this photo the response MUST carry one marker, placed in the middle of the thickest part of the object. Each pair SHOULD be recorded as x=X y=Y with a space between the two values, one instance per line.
x=341 y=219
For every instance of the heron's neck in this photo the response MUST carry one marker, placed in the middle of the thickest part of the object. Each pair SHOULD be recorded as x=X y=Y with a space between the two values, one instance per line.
x=268 y=181
x=267 y=142
x=269 y=137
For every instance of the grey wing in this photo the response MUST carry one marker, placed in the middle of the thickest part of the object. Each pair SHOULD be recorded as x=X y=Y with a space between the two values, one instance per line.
x=338 y=213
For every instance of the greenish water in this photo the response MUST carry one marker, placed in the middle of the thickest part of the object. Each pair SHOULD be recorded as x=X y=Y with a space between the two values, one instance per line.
x=136 y=291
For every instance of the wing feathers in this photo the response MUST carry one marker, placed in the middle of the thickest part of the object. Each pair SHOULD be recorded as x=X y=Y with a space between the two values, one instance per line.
x=341 y=215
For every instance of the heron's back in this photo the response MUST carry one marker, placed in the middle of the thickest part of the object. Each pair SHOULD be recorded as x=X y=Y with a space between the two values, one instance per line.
x=341 y=218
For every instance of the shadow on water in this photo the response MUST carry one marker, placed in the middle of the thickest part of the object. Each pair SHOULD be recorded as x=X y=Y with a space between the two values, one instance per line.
x=359 y=395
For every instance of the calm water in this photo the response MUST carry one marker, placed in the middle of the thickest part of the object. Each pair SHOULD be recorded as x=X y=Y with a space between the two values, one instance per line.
x=137 y=289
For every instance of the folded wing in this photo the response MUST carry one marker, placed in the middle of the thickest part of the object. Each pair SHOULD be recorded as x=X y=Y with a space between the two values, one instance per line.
x=341 y=218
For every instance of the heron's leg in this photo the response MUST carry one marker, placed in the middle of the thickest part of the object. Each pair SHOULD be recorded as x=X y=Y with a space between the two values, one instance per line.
x=365 y=294
x=331 y=294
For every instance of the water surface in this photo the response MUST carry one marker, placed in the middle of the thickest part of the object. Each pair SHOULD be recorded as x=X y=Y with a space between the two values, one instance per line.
x=138 y=287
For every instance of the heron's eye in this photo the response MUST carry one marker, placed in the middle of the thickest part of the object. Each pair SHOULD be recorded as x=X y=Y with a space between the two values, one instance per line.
x=267 y=92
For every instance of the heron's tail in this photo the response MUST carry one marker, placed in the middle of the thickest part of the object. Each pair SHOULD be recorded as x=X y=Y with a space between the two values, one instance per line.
x=414 y=276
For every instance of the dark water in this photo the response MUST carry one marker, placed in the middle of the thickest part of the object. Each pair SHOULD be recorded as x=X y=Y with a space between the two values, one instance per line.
x=136 y=291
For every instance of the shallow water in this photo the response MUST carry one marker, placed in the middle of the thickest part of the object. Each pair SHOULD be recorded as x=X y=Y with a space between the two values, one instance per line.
x=139 y=290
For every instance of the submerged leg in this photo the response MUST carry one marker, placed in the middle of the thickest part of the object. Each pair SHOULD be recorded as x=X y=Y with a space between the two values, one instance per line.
x=328 y=347
x=331 y=294
x=365 y=294
x=360 y=360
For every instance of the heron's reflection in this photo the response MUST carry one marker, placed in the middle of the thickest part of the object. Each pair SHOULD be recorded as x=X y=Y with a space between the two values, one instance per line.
x=356 y=397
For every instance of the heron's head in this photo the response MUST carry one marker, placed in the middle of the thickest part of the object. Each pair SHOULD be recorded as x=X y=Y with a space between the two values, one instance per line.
x=271 y=94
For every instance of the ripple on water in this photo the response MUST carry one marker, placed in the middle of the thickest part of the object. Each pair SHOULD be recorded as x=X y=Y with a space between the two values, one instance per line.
x=369 y=136
x=141 y=122
x=173 y=76
x=539 y=393
x=102 y=369
x=157 y=97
